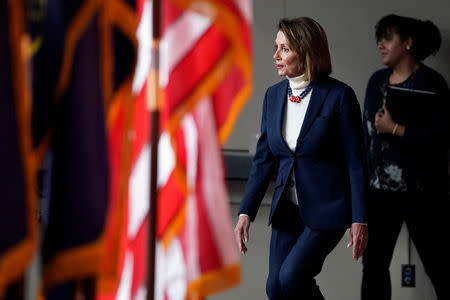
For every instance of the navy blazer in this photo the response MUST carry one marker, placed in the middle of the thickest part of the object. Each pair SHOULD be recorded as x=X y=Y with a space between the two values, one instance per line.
x=328 y=161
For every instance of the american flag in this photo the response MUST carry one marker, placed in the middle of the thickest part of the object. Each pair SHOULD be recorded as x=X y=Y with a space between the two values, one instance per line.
x=205 y=80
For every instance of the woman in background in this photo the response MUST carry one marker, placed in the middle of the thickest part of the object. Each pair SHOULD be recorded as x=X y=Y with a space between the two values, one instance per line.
x=312 y=138
x=407 y=164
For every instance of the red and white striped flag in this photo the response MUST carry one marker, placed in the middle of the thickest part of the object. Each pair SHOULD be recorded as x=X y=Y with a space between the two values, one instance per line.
x=205 y=80
x=205 y=76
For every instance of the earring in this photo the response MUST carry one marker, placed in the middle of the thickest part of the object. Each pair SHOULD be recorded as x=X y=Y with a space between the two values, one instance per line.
x=408 y=47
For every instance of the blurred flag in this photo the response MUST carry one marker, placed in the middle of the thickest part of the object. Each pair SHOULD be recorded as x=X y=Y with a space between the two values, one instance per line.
x=205 y=77
x=18 y=214
x=124 y=262
x=84 y=67
x=205 y=81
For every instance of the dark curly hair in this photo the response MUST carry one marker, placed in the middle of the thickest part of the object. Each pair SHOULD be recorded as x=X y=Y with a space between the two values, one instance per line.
x=425 y=35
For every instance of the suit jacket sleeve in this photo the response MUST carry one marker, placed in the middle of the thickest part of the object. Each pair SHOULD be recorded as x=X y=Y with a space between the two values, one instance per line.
x=261 y=171
x=352 y=137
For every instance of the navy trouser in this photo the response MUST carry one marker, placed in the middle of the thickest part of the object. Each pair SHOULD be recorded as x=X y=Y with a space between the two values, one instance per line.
x=427 y=218
x=297 y=254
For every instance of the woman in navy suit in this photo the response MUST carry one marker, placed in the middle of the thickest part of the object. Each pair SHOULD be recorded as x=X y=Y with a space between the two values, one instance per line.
x=312 y=138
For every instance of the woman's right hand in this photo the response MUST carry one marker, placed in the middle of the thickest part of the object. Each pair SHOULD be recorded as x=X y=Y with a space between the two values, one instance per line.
x=241 y=232
x=383 y=121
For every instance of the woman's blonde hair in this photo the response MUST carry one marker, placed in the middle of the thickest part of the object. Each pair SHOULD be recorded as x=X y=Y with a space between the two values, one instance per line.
x=308 y=40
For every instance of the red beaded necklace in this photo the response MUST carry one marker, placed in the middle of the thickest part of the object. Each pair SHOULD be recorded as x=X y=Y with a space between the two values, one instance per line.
x=298 y=98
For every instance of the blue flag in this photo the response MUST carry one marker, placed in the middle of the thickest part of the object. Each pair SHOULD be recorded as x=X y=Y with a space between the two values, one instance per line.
x=73 y=85
x=79 y=171
x=18 y=224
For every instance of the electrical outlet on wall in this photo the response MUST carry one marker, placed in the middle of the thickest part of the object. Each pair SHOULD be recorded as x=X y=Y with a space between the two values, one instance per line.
x=408 y=275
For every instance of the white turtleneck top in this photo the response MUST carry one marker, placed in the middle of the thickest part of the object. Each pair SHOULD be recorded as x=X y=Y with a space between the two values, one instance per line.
x=294 y=113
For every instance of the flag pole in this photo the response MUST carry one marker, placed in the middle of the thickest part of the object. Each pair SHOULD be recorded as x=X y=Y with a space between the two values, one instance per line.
x=152 y=98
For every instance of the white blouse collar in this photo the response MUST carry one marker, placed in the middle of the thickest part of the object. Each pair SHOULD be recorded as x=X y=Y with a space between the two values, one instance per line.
x=298 y=82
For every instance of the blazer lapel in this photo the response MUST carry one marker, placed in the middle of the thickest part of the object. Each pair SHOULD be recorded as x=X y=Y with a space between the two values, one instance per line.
x=279 y=108
x=319 y=93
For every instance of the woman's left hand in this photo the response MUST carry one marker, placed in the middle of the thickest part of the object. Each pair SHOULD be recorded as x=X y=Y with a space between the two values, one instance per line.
x=384 y=122
x=359 y=235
